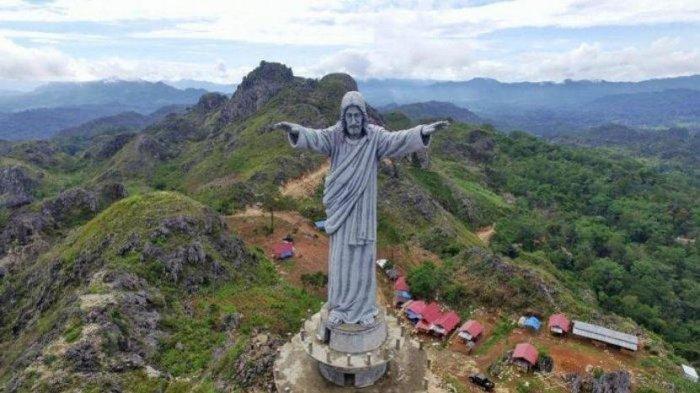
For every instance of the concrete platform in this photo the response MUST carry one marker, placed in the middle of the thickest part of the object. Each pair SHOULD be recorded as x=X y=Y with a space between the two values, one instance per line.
x=299 y=373
x=297 y=366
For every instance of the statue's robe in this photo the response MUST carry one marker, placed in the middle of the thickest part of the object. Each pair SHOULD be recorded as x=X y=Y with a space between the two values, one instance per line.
x=350 y=198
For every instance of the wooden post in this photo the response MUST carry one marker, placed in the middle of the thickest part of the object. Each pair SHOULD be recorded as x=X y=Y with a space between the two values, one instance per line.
x=425 y=383
x=349 y=362
x=403 y=331
x=369 y=358
x=420 y=345
x=311 y=347
x=398 y=344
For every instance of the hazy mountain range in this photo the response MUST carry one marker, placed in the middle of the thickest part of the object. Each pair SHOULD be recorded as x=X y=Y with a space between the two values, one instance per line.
x=39 y=114
x=547 y=108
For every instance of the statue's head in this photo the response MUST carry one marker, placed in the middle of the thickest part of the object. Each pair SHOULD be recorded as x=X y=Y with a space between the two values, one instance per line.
x=353 y=113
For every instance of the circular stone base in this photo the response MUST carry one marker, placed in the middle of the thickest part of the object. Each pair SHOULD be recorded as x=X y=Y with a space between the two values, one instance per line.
x=358 y=379
x=306 y=364
x=296 y=371
x=350 y=338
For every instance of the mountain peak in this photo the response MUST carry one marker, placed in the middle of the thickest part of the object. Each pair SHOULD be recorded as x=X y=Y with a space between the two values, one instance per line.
x=256 y=89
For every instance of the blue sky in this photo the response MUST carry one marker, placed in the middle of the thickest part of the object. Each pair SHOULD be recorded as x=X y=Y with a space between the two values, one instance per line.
x=217 y=41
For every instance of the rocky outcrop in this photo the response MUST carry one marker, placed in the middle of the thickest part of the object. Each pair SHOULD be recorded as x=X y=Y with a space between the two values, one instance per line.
x=16 y=186
x=210 y=102
x=612 y=382
x=111 y=146
x=256 y=89
x=71 y=203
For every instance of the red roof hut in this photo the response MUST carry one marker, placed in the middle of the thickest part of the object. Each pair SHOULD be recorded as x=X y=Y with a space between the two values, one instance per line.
x=446 y=324
x=559 y=324
x=430 y=314
x=525 y=355
x=471 y=330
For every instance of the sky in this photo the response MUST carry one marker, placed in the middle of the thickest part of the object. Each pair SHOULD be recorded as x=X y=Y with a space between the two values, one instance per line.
x=221 y=41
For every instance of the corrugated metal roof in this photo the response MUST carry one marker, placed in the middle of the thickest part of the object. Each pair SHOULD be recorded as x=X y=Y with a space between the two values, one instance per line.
x=431 y=312
x=690 y=372
x=526 y=351
x=448 y=321
x=472 y=327
x=416 y=306
x=600 y=333
x=560 y=321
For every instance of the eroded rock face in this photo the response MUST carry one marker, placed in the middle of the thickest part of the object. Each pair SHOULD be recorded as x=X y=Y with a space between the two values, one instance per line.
x=612 y=382
x=69 y=203
x=256 y=89
x=210 y=101
x=112 y=146
x=16 y=186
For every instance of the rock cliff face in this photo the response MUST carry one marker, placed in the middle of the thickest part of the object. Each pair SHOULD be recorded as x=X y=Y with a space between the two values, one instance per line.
x=16 y=186
x=612 y=382
x=256 y=89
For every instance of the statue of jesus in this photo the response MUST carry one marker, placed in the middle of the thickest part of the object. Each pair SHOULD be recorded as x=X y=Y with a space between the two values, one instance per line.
x=350 y=197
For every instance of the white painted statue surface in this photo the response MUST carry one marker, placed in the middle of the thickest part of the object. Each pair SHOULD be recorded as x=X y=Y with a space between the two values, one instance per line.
x=350 y=197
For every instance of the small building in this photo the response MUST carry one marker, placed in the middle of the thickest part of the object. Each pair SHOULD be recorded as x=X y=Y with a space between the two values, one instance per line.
x=445 y=324
x=415 y=310
x=283 y=250
x=531 y=322
x=430 y=314
x=609 y=336
x=690 y=373
x=525 y=355
x=471 y=330
x=402 y=293
x=559 y=324
x=320 y=225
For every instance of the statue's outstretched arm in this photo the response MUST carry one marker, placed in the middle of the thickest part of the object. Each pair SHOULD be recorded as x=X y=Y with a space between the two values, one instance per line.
x=301 y=137
x=400 y=143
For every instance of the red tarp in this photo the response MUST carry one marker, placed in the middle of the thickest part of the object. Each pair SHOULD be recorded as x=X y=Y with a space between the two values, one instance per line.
x=526 y=352
x=400 y=284
x=560 y=321
x=283 y=250
x=448 y=321
x=472 y=327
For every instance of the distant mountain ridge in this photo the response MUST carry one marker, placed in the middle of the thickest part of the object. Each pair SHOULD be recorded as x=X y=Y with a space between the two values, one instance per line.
x=140 y=96
x=549 y=108
x=434 y=110
x=122 y=122
x=56 y=106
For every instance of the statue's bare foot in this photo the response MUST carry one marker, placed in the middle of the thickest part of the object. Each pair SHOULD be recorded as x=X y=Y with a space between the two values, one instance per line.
x=367 y=321
x=334 y=320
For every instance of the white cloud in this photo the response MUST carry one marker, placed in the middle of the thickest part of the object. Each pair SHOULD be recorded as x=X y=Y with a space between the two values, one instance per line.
x=377 y=38
x=20 y=63
x=47 y=64
x=428 y=60
x=347 y=23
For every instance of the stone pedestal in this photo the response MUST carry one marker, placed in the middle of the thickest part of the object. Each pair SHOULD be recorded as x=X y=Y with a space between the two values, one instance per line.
x=377 y=358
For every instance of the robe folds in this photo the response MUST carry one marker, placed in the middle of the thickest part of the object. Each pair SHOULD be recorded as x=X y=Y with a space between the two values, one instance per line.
x=350 y=199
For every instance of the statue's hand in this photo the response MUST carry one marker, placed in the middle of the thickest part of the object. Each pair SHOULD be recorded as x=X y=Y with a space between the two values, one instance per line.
x=438 y=125
x=290 y=128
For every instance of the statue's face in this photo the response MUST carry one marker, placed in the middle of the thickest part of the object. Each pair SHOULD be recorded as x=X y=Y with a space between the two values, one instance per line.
x=353 y=121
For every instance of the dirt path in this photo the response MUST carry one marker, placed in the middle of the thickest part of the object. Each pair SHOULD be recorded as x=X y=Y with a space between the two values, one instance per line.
x=486 y=233
x=306 y=185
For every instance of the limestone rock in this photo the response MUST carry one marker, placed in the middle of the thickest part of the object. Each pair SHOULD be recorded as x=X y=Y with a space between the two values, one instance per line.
x=256 y=89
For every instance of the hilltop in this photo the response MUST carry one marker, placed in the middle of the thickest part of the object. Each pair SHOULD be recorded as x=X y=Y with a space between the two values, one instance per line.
x=148 y=253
